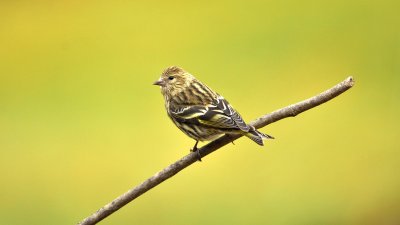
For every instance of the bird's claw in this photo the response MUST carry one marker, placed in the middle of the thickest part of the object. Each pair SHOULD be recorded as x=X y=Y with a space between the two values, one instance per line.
x=198 y=153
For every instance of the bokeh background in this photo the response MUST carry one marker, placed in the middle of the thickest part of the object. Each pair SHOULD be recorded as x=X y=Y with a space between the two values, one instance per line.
x=80 y=122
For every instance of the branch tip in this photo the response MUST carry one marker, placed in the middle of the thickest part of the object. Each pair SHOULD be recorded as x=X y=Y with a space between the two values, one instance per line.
x=350 y=80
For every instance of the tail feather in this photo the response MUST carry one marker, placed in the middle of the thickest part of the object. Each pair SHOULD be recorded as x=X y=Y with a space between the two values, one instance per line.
x=257 y=136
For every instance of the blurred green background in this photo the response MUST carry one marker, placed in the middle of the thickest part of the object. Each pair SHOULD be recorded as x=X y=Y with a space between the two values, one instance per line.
x=80 y=122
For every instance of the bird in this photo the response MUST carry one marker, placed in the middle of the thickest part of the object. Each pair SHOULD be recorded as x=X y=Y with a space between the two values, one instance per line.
x=199 y=112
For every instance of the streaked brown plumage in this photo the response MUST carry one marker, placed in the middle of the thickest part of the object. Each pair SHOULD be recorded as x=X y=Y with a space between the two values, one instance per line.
x=198 y=111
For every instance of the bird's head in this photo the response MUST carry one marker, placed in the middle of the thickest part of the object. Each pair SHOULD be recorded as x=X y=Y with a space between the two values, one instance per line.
x=174 y=80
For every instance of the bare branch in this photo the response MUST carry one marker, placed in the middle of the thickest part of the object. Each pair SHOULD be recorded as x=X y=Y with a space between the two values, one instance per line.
x=186 y=161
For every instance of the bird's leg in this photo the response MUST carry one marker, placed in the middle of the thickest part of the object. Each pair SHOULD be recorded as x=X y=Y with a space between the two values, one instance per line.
x=195 y=149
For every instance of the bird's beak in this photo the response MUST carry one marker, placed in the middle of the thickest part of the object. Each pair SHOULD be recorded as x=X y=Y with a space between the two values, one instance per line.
x=159 y=82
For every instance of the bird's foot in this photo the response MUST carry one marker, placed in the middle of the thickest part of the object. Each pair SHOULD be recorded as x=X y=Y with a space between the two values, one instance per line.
x=198 y=153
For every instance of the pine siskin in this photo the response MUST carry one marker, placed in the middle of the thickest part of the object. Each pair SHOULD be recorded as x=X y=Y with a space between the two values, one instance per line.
x=198 y=111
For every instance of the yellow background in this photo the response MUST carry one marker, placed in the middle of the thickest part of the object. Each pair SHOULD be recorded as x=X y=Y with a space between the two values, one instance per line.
x=80 y=122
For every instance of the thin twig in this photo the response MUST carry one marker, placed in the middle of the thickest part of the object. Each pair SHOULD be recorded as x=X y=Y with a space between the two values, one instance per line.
x=186 y=161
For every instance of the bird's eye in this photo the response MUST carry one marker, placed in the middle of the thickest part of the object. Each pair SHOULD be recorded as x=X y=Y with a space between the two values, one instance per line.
x=170 y=77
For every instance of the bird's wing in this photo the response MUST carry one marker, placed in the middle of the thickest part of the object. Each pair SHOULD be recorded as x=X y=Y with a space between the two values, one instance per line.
x=188 y=111
x=219 y=114
x=230 y=112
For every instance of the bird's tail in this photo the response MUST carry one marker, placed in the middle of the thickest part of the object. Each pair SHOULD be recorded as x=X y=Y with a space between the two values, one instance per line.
x=257 y=136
